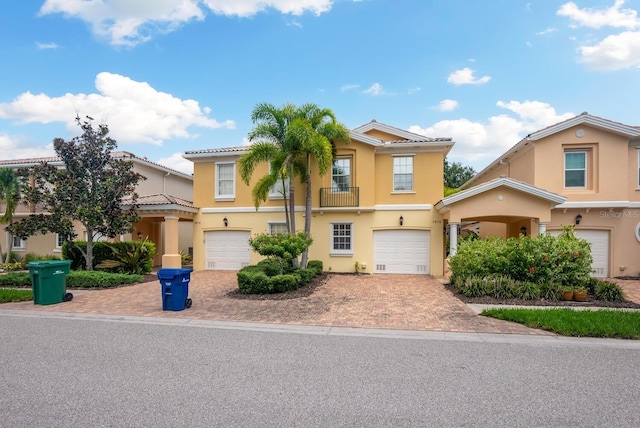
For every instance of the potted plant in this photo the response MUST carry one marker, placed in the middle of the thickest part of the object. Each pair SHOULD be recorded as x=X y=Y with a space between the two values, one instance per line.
x=567 y=293
x=580 y=294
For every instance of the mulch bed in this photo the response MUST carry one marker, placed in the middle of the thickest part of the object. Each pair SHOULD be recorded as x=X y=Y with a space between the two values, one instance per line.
x=591 y=301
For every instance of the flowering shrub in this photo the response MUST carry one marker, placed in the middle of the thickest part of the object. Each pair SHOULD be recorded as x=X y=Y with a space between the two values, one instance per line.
x=564 y=260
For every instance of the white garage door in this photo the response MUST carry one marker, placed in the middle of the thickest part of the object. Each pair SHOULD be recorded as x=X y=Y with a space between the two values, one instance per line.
x=599 y=240
x=226 y=249
x=401 y=251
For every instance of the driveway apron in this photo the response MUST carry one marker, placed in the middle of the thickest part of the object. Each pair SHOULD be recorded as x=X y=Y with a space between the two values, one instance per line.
x=406 y=302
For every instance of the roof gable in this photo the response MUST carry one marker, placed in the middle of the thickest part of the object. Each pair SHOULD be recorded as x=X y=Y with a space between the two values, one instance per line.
x=500 y=182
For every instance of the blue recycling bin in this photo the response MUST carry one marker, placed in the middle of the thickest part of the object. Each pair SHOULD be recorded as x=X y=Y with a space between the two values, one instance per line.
x=175 y=288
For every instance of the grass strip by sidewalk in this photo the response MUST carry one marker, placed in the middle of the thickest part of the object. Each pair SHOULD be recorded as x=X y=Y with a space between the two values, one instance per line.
x=12 y=295
x=567 y=322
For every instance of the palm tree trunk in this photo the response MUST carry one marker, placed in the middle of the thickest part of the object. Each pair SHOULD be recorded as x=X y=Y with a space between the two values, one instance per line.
x=307 y=213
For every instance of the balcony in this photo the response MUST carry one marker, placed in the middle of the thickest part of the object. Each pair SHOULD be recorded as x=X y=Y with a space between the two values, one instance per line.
x=339 y=197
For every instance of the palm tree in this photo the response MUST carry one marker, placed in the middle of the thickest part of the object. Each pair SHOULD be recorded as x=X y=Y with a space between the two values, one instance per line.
x=273 y=143
x=316 y=130
x=9 y=194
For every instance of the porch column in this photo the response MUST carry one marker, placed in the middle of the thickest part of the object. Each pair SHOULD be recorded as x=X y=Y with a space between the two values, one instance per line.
x=171 y=257
x=453 y=238
x=542 y=228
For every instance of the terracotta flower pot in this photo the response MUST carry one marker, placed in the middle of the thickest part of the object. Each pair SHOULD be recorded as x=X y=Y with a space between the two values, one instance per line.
x=567 y=295
x=580 y=296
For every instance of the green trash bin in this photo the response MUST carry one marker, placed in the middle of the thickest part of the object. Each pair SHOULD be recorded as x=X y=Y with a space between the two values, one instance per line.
x=49 y=281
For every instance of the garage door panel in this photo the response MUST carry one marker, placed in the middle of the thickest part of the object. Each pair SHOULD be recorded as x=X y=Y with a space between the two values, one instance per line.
x=227 y=250
x=401 y=251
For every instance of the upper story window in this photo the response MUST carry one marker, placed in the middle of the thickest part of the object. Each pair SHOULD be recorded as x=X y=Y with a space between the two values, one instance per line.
x=575 y=169
x=225 y=180
x=341 y=238
x=278 y=190
x=341 y=175
x=403 y=173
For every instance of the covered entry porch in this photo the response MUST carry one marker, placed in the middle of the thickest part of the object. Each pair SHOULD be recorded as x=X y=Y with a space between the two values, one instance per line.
x=500 y=207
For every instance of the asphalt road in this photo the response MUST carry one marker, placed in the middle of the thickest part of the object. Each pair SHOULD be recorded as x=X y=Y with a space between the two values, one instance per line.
x=99 y=371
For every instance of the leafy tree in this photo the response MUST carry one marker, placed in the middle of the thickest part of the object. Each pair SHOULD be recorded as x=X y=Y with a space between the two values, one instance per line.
x=89 y=189
x=316 y=129
x=456 y=174
x=273 y=143
x=10 y=196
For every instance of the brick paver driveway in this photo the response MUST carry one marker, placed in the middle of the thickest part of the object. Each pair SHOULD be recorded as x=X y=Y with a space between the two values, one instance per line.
x=408 y=302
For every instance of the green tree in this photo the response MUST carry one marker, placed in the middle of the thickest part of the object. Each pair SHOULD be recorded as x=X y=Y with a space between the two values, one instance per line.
x=90 y=189
x=273 y=142
x=281 y=247
x=316 y=129
x=9 y=196
x=456 y=174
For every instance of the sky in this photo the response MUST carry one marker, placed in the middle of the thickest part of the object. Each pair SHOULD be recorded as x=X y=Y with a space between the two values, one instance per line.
x=168 y=76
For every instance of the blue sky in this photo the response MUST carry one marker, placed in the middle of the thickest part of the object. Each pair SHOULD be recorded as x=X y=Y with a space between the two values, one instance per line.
x=174 y=75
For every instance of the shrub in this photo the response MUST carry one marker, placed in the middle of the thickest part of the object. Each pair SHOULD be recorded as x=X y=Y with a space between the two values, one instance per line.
x=270 y=267
x=69 y=251
x=315 y=264
x=286 y=282
x=32 y=257
x=98 y=279
x=15 y=279
x=609 y=291
x=306 y=275
x=501 y=287
x=526 y=290
x=12 y=266
x=473 y=286
x=252 y=280
x=551 y=290
x=282 y=247
x=13 y=258
x=130 y=256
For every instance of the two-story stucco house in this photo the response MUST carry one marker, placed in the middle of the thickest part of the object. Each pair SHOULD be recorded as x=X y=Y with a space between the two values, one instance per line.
x=165 y=207
x=375 y=207
x=584 y=172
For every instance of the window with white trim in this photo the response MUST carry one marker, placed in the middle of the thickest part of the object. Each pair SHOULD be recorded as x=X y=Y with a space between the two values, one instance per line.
x=638 y=168
x=403 y=173
x=97 y=237
x=575 y=169
x=225 y=180
x=341 y=238
x=278 y=190
x=59 y=241
x=19 y=243
x=341 y=175
x=277 y=227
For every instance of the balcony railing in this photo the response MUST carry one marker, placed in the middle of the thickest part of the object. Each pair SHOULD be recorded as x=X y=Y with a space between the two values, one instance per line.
x=339 y=197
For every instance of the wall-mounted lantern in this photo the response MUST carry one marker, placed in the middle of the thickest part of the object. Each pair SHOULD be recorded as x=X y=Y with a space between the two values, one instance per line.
x=401 y=220
x=225 y=221
x=578 y=219
x=523 y=231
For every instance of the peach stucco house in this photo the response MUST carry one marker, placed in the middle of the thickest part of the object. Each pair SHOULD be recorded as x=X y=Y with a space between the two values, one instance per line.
x=584 y=171
x=164 y=201
x=374 y=208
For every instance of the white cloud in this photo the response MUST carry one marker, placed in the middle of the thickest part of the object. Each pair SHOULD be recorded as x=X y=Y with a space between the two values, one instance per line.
x=478 y=143
x=15 y=148
x=465 y=77
x=177 y=162
x=134 y=111
x=349 y=86
x=613 y=16
x=46 y=45
x=546 y=31
x=128 y=23
x=615 y=51
x=448 y=105
x=412 y=91
x=375 y=90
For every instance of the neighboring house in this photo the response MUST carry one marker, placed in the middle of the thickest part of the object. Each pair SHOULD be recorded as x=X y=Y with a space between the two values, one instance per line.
x=375 y=208
x=584 y=171
x=164 y=201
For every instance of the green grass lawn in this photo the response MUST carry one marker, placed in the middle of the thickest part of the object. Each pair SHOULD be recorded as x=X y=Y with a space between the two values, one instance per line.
x=11 y=295
x=567 y=322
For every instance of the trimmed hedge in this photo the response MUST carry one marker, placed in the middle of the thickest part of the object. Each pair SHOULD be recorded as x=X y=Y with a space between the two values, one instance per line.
x=75 y=279
x=265 y=278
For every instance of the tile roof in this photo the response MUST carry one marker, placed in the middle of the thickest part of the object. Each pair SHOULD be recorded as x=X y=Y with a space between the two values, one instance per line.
x=160 y=199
